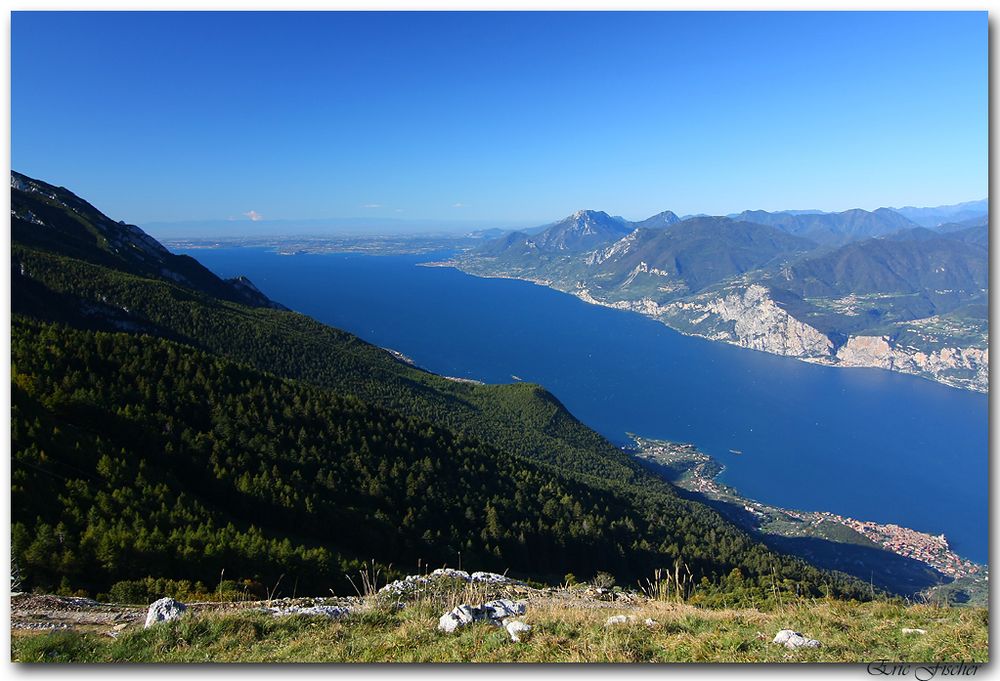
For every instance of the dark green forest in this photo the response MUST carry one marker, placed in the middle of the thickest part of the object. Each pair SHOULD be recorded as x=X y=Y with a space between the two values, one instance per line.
x=163 y=427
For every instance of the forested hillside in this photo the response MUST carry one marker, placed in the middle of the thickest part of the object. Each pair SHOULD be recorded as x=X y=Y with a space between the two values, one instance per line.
x=164 y=427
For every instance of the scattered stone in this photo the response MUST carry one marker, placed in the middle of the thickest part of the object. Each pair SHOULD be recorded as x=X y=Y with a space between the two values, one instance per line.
x=164 y=610
x=615 y=620
x=907 y=630
x=515 y=628
x=42 y=626
x=494 y=612
x=503 y=608
x=331 y=611
x=650 y=622
x=459 y=617
x=793 y=639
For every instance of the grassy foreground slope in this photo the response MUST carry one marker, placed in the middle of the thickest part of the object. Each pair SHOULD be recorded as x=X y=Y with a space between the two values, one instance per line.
x=849 y=632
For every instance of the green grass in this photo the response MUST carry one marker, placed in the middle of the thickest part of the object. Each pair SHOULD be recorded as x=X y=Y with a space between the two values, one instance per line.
x=849 y=632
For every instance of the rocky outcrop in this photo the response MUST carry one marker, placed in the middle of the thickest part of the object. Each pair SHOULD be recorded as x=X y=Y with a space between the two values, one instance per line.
x=961 y=367
x=793 y=639
x=331 y=611
x=760 y=324
x=646 y=306
x=750 y=318
x=413 y=583
x=164 y=610
x=497 y=613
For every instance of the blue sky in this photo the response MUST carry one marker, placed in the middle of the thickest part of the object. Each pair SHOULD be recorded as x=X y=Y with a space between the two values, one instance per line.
x=506 y=117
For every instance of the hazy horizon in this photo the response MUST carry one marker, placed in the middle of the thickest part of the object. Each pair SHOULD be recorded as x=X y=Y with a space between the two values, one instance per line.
x=365 y=226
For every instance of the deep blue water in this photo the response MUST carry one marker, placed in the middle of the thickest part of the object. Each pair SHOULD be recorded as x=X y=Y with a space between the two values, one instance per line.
x=861 y=442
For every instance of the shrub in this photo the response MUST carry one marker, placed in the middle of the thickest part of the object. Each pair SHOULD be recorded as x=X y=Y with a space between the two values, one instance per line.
x=603 y=580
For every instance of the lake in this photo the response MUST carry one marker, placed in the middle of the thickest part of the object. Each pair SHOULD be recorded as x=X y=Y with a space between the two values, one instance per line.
x=866 y=443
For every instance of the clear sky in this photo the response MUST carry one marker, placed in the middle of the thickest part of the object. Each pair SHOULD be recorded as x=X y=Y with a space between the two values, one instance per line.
x=520 y=117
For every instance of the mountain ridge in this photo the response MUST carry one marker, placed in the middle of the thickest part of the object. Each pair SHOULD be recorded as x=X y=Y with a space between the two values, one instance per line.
x=38 y=217
x=859 y=288
x=938 y=215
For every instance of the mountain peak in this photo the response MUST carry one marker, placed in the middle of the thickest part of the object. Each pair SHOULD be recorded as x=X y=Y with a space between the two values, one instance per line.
x=590 y=214
x=582 y=231
x=658 y=221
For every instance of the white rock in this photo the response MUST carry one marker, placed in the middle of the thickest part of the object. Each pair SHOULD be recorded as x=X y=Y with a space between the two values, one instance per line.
x=331 y=611
x=459 y=617
x=515 y=628
x=491 y=578
x=499 y=609
x=494 y=612
x=164 y=610
x=615 y=620
x=782 y=636
x=792 y=640
x=413 y=583
x=650 y=622
x=907 y=630
x=448 y=572
x=761 y=324
x=403 y=586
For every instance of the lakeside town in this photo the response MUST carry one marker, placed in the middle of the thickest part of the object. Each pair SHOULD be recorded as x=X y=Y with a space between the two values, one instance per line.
x=927 y=548
x=697 y=472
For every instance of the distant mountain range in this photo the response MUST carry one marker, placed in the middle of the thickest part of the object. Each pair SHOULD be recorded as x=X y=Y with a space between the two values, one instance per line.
x=833 y=228
x=857 y=288
x=585 y=228
x=909 y=262
x=698 y=252
x=939 y=215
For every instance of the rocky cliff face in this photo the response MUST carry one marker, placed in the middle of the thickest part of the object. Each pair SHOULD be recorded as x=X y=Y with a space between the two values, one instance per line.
x=759 y=323
x=747 y=316
x=959 y=367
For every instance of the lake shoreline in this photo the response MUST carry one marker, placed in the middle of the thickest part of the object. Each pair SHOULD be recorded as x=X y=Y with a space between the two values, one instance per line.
x=694 y=471
x=639 y=307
